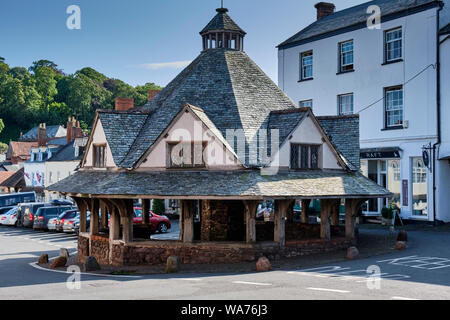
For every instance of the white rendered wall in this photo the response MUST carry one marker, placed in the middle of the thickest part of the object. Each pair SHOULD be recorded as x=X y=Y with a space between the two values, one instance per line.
x=99 y=137
x=367 y=83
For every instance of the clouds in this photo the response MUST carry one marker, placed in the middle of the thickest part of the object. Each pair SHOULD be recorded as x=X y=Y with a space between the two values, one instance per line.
x=165 y=65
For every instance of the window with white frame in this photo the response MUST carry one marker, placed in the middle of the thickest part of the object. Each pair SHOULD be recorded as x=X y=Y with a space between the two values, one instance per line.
x=394 y=107
x=345 y=104
x=346 y=56
x=306 y=104
x=306 y=63
x=393 y=44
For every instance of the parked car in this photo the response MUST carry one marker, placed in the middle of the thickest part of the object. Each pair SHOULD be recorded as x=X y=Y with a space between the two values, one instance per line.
x=4 y=217
x=27 y=212
x=56 y=224
x=4 y=210
x=44 y=214
x=158 y=223
x=10 y=217
x=73 y=225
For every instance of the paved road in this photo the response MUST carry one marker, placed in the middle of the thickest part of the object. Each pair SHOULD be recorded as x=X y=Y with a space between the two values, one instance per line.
x=420 y=272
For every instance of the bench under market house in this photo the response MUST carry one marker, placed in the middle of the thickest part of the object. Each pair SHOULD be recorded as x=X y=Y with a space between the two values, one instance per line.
x=221 y=138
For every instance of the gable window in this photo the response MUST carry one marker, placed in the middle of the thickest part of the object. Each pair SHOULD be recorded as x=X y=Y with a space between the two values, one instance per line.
x=394 y=107
x=306 y=104
x=99 y=156
x=345 y=104
x=346 y=56
x=186 y=155
x=393 y=45
x=306 y=62
x=305 y=156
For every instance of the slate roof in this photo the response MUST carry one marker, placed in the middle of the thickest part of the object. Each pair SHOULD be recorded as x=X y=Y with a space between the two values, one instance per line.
x=222 y=21
x=231 y=89
x=52 y=132
x=445 y=30
x=343 y=132
x=221 y=184
x=286 y=121
x=355 y=16
x=121 y=130
x=67 y=153
x=15 y=180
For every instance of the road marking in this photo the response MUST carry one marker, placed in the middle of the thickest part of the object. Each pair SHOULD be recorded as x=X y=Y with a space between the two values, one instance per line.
x=402 y=298
x=328 y=290
x=252 y=283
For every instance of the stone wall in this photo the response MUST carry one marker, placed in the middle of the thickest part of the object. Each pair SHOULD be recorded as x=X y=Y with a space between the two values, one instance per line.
x=83 y=248
x=295 y=231
x=100 y=249
x=214 y=220
x=156 y=253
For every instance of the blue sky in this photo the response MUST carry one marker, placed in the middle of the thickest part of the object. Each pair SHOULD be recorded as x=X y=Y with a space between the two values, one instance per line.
x=141 y=41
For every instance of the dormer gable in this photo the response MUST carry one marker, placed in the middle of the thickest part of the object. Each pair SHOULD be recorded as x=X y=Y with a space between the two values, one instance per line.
x=304 y=145
x=98 y=153
x=191 y=141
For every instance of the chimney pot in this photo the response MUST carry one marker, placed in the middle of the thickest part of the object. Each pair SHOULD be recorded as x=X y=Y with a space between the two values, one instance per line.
x=324 y=9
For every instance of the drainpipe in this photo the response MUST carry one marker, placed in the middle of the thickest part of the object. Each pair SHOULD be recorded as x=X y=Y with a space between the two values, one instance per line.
x=438 y=106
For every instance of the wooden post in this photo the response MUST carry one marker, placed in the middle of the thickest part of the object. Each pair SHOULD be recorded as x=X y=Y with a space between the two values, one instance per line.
x=335 y=212
x=250 y=220
x=352 y=207
x=145 y=211
x=94 y=224
x=104 y=215
x=281 y=207
x=114 y=228
x=305 y=208
x=188 y=221
x=82 y=207
x=325 y=229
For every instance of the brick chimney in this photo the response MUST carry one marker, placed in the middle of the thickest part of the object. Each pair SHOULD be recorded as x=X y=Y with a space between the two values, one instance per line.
x=324 y=9
x=73 y=130
x=42 y=135
x=124 y=104
x=153 y=93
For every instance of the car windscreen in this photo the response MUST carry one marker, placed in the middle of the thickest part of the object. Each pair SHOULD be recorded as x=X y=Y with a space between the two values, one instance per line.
x=68 y=215
x=48 y=212
x=36 y=207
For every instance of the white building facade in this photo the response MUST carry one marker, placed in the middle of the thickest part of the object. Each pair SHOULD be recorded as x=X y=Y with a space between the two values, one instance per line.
x=388 y=75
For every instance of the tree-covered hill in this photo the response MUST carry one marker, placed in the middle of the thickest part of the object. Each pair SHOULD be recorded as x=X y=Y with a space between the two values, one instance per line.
x=44 y=93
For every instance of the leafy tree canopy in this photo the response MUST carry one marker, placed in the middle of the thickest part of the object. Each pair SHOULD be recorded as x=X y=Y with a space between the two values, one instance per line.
x=43 y=93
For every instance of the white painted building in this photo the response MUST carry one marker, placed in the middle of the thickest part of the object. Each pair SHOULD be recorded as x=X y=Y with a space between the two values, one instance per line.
x=388 y=75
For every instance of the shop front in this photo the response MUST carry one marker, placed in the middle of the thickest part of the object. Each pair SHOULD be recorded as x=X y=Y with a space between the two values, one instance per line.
x=404 y=175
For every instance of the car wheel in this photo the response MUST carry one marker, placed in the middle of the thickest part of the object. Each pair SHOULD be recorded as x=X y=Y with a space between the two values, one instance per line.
x=163 y=227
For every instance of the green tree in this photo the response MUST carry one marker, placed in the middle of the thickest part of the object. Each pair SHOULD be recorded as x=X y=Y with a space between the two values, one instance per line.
x=158 y=207
x=45 y=63
x=46 y=84
x=3 y=148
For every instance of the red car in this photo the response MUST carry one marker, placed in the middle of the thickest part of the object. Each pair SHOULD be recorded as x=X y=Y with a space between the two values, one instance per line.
x=159 y=223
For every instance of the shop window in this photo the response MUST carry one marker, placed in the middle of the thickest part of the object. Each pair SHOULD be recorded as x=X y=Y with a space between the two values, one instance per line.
x=419 y=187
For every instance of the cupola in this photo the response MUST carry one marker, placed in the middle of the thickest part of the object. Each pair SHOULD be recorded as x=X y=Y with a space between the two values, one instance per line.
x=222 y=32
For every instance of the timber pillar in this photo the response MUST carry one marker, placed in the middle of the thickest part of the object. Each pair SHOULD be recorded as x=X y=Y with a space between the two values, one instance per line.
x=352 y=208
x=305 y=208
x=325 y=215
x=281 y=208
x=250 y=220
x=187 y=214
